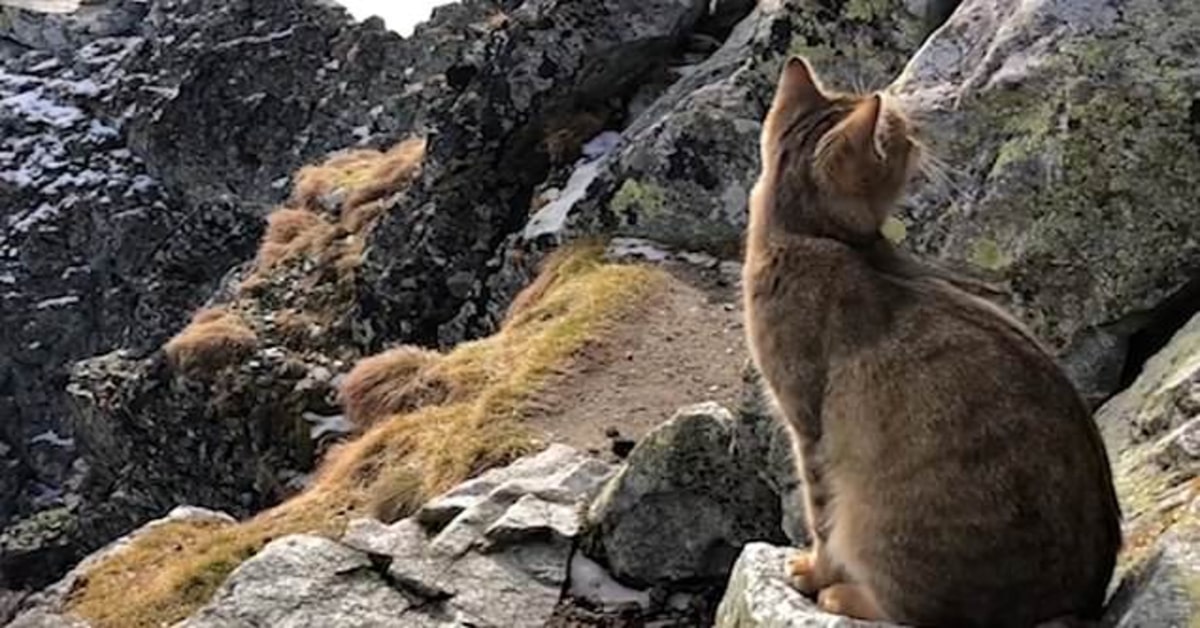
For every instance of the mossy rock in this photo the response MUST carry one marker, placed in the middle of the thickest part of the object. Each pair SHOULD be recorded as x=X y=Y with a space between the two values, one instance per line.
x=1071 y=167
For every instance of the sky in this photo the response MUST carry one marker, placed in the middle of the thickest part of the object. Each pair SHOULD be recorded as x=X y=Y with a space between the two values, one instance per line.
x=400 y=15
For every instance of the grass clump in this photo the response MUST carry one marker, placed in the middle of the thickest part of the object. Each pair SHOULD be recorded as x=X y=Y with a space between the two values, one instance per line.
x=215 y=338
x=402 y=459
x=333 y=207
x=390 y=383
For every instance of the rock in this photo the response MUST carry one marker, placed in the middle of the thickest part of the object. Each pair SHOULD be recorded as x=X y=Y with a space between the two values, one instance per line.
x=759 y=596
x=35 y=550
x=494 y=551
x=1163 y=591
x=767 y=446
x=1152 y=430
x=38 y=619
x=684 y=504
x=686 y=165
x=306 y=581
x=489 y=148
x=156 y=438
x=134 y=173
x=62 y=32
x=1046 y=171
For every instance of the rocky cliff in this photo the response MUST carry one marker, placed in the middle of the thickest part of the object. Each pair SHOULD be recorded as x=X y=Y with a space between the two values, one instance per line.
x=262 y=259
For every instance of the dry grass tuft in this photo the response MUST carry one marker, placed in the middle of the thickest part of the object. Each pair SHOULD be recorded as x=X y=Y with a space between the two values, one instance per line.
x=399 y=461
x=215 y=338
x=390 y=383
x=292 y=233
x=397 y=493
x=363 y=176
x=303 y=230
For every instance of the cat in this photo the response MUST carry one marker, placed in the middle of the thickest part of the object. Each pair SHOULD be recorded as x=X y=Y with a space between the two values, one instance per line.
x=953 y=476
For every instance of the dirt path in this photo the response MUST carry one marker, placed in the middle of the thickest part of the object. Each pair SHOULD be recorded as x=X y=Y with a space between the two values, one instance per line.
x=686 y=346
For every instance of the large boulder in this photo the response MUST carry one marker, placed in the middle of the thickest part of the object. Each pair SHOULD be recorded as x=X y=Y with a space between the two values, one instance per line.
x=684 y=504
x=1067 y=163
x=233 y=439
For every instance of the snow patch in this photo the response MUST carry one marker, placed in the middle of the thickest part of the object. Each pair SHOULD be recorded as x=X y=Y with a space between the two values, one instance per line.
x=591 y=582
x=50 y=437
x=56 y=303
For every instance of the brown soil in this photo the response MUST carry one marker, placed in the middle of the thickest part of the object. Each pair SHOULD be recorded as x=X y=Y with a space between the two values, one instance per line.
x=685 y=346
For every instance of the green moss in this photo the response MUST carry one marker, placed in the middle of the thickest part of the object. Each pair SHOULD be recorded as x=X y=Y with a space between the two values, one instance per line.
x=868 y=10
x=986 y=253
x=646 y=198
x=895 y=230
x=1095 y=170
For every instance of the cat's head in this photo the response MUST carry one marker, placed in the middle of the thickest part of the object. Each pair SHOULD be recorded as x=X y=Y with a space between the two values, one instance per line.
x=833 y=164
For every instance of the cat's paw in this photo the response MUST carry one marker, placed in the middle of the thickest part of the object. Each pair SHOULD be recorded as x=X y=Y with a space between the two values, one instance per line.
x=850 y=600
x=802 y=572
x=832 y=600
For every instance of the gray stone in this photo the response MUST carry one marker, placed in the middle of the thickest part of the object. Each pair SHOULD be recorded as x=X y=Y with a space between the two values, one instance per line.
x=39 y=619
x=1163 y=590
x=495 y=550
x=684 y=171
x=1151 y=430
x=305 y=581
x=505 y=98
x=684 y=503
x=71 y=25
x=759 y=596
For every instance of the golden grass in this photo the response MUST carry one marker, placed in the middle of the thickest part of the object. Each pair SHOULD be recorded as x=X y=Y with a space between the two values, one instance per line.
x=390 y=383
x=399 y=462
x=303 y=231
x=215 y=338
x=365 y=176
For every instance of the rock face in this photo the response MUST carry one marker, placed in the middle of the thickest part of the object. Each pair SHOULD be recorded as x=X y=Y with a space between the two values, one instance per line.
x=1047 y=171
x=1153 y=435
x=544 y=72
x=134 y=174
x=76 y=25
x=242 y=433
x=684 y=504
x=686 y=164
x=95 y=253
x=494 y=551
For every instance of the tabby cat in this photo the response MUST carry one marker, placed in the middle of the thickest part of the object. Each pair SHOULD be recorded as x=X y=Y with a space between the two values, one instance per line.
x=953 y=476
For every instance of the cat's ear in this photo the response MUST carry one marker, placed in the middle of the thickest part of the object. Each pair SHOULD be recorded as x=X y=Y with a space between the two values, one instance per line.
x=862 y=129
x=799 y=87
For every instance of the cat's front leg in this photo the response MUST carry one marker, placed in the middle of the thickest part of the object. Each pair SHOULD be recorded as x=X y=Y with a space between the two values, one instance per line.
x=810 y=570
x=813 y=569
